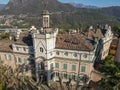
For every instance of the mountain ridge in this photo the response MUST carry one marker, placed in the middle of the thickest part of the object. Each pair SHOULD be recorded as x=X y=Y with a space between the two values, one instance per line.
x=80 y=5
x=63 y=15
x=35 y=6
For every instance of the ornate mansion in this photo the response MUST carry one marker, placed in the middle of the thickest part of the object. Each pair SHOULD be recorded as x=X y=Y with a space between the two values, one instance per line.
x=49 y=56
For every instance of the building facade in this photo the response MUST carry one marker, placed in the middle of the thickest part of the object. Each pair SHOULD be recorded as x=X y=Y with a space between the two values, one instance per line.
x=67 y=56
x=54 y=56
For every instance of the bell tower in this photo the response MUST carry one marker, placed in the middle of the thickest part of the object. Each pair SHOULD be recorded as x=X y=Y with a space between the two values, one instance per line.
x=44 y=45
x=45 y=19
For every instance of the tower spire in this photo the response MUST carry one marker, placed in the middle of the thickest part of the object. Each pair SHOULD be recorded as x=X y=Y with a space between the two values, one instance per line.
x=45 y=3
x=45 y=15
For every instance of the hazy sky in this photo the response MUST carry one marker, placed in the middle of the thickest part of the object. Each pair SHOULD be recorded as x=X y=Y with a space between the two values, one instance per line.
x=100 y=3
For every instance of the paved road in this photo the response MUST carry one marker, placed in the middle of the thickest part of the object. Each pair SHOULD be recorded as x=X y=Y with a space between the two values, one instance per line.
x=117 y=57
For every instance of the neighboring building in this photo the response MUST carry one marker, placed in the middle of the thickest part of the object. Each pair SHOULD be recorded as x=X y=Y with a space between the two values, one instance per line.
x=56 y=56
x=105 y=34
x=17 y=54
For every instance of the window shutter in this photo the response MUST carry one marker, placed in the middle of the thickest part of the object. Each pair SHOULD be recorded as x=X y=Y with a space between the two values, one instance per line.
x=56 y=65
x=73 y=67
x=65 y=66
x=83 y=68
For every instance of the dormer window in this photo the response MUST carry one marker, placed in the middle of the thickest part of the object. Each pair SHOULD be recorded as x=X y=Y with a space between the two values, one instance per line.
x=75 y=42
x=41 y=49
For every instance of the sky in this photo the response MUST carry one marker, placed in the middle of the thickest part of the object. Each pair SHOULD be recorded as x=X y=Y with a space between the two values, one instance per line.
x=99 y=3
x=3 y=1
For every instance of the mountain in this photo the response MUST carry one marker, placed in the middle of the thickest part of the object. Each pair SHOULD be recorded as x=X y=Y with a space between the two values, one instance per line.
x=35 y=6
x=113 y=11
x=80 y=5
x=2 y=6
x=63 y=15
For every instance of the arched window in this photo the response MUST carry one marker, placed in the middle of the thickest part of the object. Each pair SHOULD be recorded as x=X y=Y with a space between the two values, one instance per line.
x=41 y=49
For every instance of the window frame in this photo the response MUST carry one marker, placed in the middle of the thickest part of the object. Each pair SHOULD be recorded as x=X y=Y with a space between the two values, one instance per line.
x=9 y=57
x=41 y=49
x=19 y=60
x=56 y=65
x=73 y=68
x=83 y=68
x=65 y=66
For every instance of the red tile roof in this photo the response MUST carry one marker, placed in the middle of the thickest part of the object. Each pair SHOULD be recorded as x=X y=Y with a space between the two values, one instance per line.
x=63 y=41
x=73 y=42
x=5 y=45
x=25 y=39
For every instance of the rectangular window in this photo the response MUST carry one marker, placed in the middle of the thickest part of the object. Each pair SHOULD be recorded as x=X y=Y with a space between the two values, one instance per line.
x=83 y=68
x=57 y=74
x=51 y=66
x=17 y=48
x=15 y=59
x=24 y=49
x=25 y=60
x=19 y=60
x=73 y=67
x=5 y=56
x=65 y=66
x=73 y=77
x=56 y=65
x=9 y=57
x=76 y=77
x=69 y=76
x=65 y=75
x=61 y=75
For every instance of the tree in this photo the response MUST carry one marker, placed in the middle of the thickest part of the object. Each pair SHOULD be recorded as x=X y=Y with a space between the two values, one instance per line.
x=111 y=72
x=116 y=30
x=1 y=86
